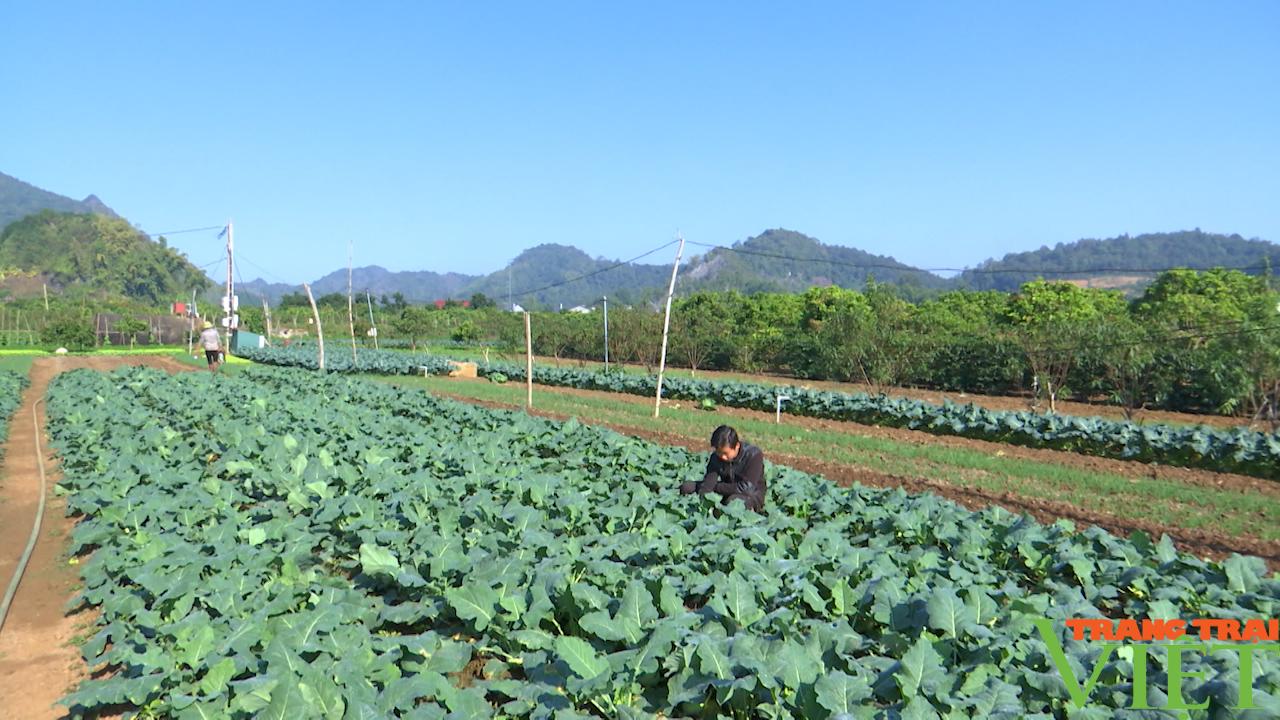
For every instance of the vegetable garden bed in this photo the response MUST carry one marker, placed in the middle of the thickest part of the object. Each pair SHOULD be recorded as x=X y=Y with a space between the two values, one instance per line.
x=338 y=548
x=1237 y=450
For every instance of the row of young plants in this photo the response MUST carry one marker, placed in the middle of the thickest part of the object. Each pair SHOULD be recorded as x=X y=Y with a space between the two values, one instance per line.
x=1238 y=450
x=11 y=386
x=338 y=548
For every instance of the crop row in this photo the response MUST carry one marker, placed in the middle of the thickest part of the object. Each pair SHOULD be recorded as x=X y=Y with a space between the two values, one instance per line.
x=337 y=548
x=11 y=386
x=1237 y=450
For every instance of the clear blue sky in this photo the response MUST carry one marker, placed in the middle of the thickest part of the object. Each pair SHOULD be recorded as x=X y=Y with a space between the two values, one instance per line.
x=451 y=136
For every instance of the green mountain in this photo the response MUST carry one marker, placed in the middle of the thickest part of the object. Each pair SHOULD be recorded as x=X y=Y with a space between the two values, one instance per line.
x=1122 y=262
x=788 y=261
x=19 y=199
x=551 y=275
x=97 y=253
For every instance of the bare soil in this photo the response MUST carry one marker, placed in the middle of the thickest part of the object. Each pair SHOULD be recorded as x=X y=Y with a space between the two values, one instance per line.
x=39 y=659
x=1216 y=546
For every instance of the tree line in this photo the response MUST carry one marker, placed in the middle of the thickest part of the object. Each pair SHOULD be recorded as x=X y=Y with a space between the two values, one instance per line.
x=1203 y=342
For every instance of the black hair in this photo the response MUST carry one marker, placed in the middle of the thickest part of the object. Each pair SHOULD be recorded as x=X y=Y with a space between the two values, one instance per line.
x=724 y=437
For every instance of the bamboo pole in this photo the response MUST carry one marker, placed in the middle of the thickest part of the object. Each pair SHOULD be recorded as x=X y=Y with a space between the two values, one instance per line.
x=528 y=363
x=315 y=312
x=666 y=325
x=266 y=310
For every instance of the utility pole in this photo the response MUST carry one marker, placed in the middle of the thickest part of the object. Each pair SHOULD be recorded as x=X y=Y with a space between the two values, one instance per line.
x=510 y=305
x=191 y=314
x=229 y=304
x=666 y=325
x=606 y=332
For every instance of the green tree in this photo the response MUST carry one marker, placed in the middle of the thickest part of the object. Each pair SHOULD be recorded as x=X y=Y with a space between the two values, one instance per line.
x=1052 y=321
x=130 y=327
x=466 y=332
x=68 y=329
x=700 y=325
x=1214 y=322
x=480 y=301
x=416 y=324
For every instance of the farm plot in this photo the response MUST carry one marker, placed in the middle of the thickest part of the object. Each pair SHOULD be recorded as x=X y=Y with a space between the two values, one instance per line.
x=336 y=548
x=1237 y=450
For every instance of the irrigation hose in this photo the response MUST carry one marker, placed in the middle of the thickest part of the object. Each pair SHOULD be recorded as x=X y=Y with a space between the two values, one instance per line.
x=35 y=527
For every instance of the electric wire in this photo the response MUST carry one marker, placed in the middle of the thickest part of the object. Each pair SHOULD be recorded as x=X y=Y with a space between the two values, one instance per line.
x=183 y=232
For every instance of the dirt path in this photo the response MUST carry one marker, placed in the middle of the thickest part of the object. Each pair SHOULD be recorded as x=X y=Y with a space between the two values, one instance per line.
x=39 y=661
x=1216 y=546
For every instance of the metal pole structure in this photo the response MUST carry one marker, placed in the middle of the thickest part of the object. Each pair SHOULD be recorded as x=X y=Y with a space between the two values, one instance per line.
x=528 y=363
x=191 y=313
x=315 y=313
x=666 y=325
x=372 y=326
x=606 y=333
x=351 y=316
x=230 y=305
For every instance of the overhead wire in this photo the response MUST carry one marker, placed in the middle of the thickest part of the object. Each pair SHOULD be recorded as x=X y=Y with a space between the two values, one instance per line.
x=182 y=232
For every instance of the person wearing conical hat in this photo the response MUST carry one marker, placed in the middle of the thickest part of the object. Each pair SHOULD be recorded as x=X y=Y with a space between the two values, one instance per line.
x=212 y=345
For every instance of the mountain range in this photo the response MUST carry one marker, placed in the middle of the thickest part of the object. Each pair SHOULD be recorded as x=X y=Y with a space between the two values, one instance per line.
x=552 y=275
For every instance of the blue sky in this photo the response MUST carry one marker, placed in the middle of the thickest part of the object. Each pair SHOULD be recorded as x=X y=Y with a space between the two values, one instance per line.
x=450 y=136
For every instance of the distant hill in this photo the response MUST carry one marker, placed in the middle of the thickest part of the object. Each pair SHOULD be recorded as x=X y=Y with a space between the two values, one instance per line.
x=19 y=199
x=98 y=253
x=416 y=286
x=547 y=269
x=1120 y=262
x=551 y=275
x=765 y=263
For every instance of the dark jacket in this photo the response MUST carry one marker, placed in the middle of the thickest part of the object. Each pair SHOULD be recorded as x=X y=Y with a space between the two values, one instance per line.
x=745 y=473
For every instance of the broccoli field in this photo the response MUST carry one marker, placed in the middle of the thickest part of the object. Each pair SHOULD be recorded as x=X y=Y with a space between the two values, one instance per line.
x=304 y=545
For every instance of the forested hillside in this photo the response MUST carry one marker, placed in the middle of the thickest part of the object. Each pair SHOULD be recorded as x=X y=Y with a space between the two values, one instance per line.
x=1120 y=261
x=100 y=253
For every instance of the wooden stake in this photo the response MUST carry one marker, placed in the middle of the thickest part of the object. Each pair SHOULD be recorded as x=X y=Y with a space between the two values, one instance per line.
x=46 y=296
x=266 y=310
x=666 y=325
x=315 y=313
x=528 y=363
x=372 y=325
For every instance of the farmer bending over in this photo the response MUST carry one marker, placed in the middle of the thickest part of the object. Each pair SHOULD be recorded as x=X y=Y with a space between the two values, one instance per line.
x=212 y=346
x=734 y=470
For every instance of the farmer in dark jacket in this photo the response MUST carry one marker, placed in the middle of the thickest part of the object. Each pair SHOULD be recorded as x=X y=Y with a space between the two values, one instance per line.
x=734 y=470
